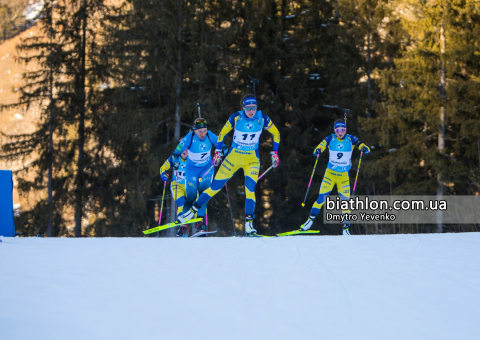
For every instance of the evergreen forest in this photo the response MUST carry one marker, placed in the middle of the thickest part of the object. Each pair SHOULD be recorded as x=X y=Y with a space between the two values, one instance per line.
x=118 y=84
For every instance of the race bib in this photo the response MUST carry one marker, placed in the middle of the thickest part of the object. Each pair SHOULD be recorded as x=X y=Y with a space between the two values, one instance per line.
x=180 y=175
x=198 y=157
x=246 y=138
x=340 y=158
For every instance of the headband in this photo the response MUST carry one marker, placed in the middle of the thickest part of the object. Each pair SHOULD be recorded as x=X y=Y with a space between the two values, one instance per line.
x=339 y=125
x=249 y=101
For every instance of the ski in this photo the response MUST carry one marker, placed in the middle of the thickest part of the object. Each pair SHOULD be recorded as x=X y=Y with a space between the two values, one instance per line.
x=254 y=235
x=200 y=233
x=171 y=225
x=299 y=232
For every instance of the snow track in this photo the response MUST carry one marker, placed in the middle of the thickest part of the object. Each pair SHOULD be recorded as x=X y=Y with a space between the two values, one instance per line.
x=301 y=287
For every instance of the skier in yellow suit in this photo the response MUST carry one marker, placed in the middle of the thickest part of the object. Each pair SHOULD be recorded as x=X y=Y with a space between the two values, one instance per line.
x=340 y=146
x=177 y=186
x=248 y=126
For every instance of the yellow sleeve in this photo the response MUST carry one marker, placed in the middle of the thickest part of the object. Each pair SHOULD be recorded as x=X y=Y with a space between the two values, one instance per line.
x=225 y=130
x=322 y=146
x=276 y=135
x=166 y=166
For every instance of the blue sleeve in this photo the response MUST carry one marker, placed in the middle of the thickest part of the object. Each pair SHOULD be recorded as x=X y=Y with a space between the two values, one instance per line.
x=224 y=149
x=266 y=120
x=232 y=119
x=355 y=141
x=184 y=142
x=328 y=139
x=213 y=138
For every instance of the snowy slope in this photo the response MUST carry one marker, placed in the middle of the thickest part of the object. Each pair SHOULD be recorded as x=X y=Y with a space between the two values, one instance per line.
x=358 y=287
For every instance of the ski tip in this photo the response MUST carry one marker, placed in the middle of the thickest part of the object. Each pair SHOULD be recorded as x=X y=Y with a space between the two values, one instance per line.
x=303 y=204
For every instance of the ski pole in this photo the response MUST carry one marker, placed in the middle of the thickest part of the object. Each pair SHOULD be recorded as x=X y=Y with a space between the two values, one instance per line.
x=358 y=170
x=231 y=213
x=176 y=206
x=161 y=208
x=270 y=168
x=206 y=172
x=311 y=177
x=206 y=219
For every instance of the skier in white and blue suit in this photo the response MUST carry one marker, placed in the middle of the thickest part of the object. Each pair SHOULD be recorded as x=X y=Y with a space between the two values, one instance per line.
x=199 y=143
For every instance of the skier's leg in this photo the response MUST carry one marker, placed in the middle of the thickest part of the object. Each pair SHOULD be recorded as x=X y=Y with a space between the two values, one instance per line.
x=344 y=193
x=251 y=168
x=328 y=183
x=178 y=192
x=181 y=194
x=225 y=172
x=191 y=187
x=204 y=185
x=223 y=175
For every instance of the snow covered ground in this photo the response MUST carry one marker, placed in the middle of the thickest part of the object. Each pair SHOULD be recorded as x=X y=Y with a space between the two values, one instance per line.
x=302 y=287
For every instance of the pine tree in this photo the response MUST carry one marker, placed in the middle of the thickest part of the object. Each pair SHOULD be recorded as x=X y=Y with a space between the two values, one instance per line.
x=47 y=146
x=429 y=97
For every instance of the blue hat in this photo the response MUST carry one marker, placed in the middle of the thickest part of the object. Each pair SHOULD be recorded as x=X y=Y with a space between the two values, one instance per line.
x=249 y=101
x=339 y=125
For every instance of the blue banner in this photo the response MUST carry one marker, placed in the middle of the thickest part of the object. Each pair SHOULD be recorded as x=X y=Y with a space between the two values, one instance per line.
x=7 y=228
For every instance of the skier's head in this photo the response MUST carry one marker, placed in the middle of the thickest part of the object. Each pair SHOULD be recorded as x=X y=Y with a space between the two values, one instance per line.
x=249 y=105
x=340 y=128
x=200 y=127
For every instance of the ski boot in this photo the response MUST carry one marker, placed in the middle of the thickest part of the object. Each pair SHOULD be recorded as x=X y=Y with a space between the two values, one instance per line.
x=199 y=228
x=346 y=229
x=182 y=231
x=249 y=230
x=307 y=225
x=189 y=214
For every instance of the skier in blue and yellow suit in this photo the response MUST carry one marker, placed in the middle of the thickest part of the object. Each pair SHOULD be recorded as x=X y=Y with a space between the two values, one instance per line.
x=248 y=126
x=177 y=186
x=198 y=170
x=340 y=146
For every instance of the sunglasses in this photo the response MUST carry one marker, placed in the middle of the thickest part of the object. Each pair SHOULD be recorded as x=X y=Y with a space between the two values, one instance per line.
x=200 y=121
x=339 y=130
x=250 y=108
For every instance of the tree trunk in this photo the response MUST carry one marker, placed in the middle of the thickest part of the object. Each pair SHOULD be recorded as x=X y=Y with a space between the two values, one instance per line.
x=178 y=92
x=50 y=136
x=441 y=135
x=81 y=127
x=368 y=71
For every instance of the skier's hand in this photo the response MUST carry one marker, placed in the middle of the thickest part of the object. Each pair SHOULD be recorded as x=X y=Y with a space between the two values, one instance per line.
x=364 y=148
x=164 y=176
x=176 y=165
x=317 y=152
x=217 y=158
x=275 y=159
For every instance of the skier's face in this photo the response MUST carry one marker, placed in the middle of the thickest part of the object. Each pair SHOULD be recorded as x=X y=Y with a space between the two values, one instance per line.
x=250 y=110
x=341 y=132
x=201 y=133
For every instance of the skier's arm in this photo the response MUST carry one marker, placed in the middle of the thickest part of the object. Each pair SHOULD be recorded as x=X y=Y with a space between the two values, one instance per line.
x=359 y=144
x=184 y=142
x=322 y=146
x=165 y=167
x=225 y=130
x=270 y=127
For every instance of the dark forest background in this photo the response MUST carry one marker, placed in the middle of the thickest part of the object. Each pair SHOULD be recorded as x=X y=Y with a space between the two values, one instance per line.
x=119 y=83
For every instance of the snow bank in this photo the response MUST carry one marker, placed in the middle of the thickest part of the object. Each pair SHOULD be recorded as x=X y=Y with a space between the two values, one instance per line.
x=303 y=287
